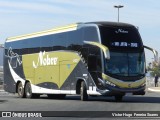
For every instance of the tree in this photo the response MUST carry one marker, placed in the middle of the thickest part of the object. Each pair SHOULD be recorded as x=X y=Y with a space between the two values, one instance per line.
x=155 y=69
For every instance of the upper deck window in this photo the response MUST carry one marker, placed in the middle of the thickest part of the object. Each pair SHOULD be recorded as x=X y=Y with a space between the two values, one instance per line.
x=91 y=34
x=120 y=37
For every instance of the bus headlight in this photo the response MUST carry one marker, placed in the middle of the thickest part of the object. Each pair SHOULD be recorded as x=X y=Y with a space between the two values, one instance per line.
x=104 y=82
x=111 y=84
x=143 y=84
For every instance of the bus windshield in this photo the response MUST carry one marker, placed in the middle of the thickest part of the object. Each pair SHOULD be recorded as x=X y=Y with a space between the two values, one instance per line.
x=126 y=64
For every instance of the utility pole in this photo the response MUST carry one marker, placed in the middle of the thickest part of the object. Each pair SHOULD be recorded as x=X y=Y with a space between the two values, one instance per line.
x=118 y=6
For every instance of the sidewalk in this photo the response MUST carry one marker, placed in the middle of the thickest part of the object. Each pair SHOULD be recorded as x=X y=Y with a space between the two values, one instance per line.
x=154 y=89
x=2 y=92
x=1 y=87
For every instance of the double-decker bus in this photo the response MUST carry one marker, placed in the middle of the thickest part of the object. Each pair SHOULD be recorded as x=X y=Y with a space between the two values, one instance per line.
x=94 y=58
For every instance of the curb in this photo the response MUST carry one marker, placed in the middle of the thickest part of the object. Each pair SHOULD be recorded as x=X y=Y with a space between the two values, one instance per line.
x=153 y=90
x=2 y=93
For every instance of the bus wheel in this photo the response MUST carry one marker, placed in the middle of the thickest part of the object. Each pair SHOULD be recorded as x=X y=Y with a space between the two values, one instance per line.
x=118 y=98
x=28 y=91
x=83 y=91
x=20 y=90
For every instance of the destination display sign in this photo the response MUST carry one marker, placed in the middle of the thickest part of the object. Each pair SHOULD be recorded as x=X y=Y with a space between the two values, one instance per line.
x=124 y=44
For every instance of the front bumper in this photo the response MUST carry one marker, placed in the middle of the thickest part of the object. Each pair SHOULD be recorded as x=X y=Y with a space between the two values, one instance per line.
x=111 y=91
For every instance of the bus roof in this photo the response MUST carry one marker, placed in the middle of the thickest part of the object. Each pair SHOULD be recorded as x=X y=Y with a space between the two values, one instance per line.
x=65 y=29
x=112 y=24
x=46 y=32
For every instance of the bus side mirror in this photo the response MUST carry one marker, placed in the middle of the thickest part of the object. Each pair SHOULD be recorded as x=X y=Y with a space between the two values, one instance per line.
x=102 y=47
x=107 y=54
x=154 y=52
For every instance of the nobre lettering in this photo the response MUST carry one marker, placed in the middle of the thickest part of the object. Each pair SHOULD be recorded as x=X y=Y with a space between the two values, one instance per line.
x=121 y=31
x=45 y=60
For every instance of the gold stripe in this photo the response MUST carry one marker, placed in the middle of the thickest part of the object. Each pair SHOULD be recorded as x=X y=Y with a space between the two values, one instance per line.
x=124 y=84
x=103 y=47
x=58 y=29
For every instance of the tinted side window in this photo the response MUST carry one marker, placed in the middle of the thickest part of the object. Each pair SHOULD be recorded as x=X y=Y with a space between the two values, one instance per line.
x=59 y=41
x=46 y=43
x=90 y=34
x=20 y=47
x=24 y=47
x=34 y=45
x=16 y=46
x=7 y=46
x=75 y=37
x=75 y=40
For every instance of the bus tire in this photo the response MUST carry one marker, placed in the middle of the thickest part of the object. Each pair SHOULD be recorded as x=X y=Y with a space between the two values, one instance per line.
x=83 y=91
x=20 y=90
x=118 y=98
x=28 y=91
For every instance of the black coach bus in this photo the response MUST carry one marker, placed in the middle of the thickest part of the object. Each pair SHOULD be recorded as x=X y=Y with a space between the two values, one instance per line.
x=94 y=58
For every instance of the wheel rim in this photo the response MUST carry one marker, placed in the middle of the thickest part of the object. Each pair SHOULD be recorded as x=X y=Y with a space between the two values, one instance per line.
x=81 y=91
x=28 y=90
x=20 y=89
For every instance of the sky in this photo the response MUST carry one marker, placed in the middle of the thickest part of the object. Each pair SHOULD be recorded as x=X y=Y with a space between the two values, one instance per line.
x=19 y=17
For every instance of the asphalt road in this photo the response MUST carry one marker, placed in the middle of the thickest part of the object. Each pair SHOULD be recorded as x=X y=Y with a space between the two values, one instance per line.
x=149 y=102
